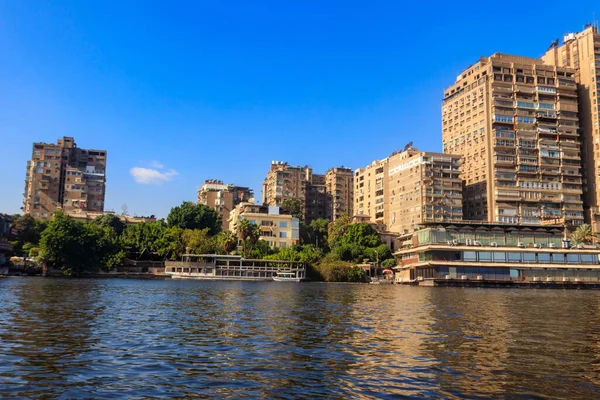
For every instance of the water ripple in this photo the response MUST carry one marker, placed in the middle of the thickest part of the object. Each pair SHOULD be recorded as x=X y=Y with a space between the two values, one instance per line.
x=144 y=339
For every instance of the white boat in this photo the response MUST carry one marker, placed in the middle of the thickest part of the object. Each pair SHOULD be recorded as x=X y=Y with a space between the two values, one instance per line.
x=226 y=267
x=286 y=277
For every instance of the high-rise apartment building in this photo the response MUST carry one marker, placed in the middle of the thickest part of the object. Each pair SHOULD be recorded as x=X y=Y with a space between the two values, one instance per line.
x=223 y=198
x=339 y=185
x=515 y=121
x=322 y=196
x=408 y=188
x=581 y=51
x=64 y=176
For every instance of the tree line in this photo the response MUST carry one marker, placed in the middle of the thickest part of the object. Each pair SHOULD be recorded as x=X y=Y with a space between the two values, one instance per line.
x=331 y=249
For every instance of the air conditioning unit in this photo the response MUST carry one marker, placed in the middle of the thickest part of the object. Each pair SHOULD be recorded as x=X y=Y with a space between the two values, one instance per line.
x=552 y=245
x=469 y=242
x=536 y=278
x=521 y=245
x=464 y=277
x=479 y=277
x=494 y=244
x=476 y=243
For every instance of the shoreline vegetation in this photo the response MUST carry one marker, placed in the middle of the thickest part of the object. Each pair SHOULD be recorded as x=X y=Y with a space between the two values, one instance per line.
x=331 y=250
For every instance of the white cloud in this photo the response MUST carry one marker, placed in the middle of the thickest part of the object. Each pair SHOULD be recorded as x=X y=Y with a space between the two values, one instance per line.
x=150 y=176
x=155 y=164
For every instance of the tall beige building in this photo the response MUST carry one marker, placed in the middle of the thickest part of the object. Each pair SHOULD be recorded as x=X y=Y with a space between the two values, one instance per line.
x=408 y=188
x=581 y=51
x=64 y=176
x=339 y=185
x=223 y=198
x=322 y=196
x=515 y=121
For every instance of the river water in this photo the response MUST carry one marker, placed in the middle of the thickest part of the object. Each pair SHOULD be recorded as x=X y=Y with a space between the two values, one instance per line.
x=112 y=338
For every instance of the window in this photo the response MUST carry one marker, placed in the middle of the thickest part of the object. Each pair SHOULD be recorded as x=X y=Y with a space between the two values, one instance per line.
x=543 y=257
x=514 y=257
x=283 y=235
x=283 y=224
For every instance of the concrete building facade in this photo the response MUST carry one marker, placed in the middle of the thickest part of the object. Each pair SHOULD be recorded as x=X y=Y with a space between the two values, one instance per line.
x=278 y=230
x=515 y=121
x=63 y=176
x=339 y=183
x=321 y=195
x=408 y=188
x=223 y=198
x=581 y=51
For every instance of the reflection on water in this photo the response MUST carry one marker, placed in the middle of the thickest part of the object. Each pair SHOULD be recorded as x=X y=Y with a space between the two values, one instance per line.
x=108 y=338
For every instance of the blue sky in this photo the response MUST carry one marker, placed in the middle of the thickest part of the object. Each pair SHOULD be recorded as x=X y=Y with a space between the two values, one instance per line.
x=195 y=90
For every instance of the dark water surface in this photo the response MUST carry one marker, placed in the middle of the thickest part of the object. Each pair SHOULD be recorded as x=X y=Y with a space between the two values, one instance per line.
x=135 y=338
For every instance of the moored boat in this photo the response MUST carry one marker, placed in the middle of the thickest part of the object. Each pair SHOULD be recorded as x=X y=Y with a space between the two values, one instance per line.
x=286 y=277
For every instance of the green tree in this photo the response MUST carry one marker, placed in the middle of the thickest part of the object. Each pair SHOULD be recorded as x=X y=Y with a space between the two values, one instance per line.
x=244 y=227
x=389 y=263
x=112 y=221
x=76 y=247
x=260 y=249
x=337 y=229
x=583 y=234
x=194 y=216
x=228 y=241
x=319 y=228
x=170 y=243
x=144 y=237
x=293 y=207
x=198 y=241
x=29 y=230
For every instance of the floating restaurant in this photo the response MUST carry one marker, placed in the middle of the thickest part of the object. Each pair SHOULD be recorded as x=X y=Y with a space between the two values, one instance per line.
x=479 y=254
x=225 y=267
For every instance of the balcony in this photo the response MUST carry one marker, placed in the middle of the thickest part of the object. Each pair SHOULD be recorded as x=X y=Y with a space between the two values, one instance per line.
x=502 y=87
x=505 y=160
x=504 y=143
x=505 y=195
x=570 y=172
x=572 y=181
x=524 y=89
x=566 y=116
x=565 y=105
x=566 y=156
x=546 y=114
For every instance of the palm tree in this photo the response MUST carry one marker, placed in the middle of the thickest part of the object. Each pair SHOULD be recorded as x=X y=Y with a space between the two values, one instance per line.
x=583 y=234
x=254 y=235
x=243 y=229
x=228 y=241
